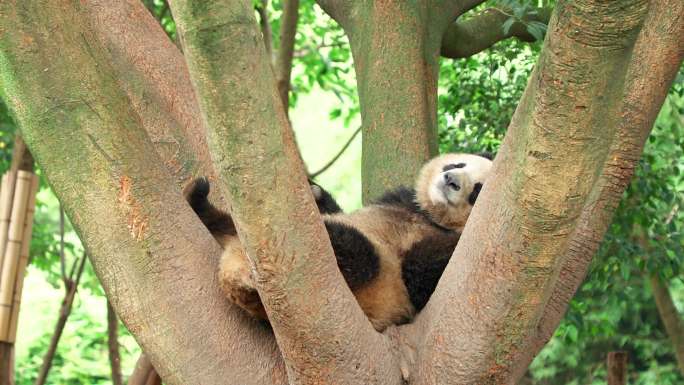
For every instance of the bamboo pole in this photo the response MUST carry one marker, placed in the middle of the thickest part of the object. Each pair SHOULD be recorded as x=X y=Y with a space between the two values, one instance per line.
x=23 y=257
x=13 y=250
x=6 y=194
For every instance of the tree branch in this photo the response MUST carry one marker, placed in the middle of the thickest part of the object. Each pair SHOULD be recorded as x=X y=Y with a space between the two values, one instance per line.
x=113 y=345
x=141 y=372
x=71 y=285
x=308 y=304
x=265 y=25
x=337 y=156
x=340 y=10
x=283 y=65
x=139 y=231
x=475 y=34
x=495 y=292
x=653 y=65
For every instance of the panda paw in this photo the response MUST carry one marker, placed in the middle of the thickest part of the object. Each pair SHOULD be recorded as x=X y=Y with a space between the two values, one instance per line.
x=325 y=202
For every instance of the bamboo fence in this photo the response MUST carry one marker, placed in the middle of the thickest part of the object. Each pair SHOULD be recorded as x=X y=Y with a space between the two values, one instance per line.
x=17 y=206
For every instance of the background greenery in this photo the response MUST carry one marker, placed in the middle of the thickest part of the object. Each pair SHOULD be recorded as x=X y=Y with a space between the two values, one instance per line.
x=613 y=310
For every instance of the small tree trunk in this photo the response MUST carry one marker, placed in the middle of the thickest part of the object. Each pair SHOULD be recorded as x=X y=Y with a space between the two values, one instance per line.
x=64 y=312
x=6 y=363
x=617 y=368
x=113 y=343
x=674 y=325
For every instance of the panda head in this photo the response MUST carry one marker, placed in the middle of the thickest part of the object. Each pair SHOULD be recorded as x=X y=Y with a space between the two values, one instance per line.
x=448 y=186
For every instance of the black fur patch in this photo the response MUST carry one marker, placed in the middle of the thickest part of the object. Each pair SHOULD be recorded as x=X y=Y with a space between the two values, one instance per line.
x=402 y=197
x=405 y=198
x=218 y=222
x=356 y=256
x=325 y=202
x=473 y=194
x=423 y=266
x=452 y=166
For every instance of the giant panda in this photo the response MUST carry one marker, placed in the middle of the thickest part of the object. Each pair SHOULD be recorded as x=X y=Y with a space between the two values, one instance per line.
x=391 y=253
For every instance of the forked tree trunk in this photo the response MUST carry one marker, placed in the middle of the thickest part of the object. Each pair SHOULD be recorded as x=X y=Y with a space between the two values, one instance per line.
x=568 y=154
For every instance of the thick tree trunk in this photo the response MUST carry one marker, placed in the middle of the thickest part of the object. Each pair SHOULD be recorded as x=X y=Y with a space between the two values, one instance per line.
x=655 y=60
x=132 y=217
x=507 y=263
x=296 y=275
x=672 y=320
x=396 y=47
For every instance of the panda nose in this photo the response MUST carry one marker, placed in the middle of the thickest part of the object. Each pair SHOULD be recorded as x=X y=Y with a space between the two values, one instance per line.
x=451 y=181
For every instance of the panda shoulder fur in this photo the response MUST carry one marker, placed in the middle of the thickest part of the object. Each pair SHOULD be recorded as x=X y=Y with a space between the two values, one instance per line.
x=391 y=253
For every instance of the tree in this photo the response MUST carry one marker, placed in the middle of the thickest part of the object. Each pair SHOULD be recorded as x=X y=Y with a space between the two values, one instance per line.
x=134 y=139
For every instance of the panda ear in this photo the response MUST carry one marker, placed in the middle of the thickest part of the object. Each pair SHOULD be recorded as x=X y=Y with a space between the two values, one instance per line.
x=473 y=194
x=486 y=154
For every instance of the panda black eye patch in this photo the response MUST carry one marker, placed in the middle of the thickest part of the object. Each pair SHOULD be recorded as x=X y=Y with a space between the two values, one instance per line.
x=453 y=166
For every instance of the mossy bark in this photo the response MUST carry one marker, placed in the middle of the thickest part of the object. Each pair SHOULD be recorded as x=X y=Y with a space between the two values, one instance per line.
x=151 y=70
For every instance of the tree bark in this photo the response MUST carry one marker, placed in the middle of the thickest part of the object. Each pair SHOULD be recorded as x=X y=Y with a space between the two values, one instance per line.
x=152 y=72
x=113 y=345
x=265 y=25
x=139 y=231
x=673 y=322
x=616 y=364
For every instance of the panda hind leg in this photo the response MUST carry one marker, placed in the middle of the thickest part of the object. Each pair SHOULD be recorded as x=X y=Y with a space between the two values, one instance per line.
x=236 y=281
